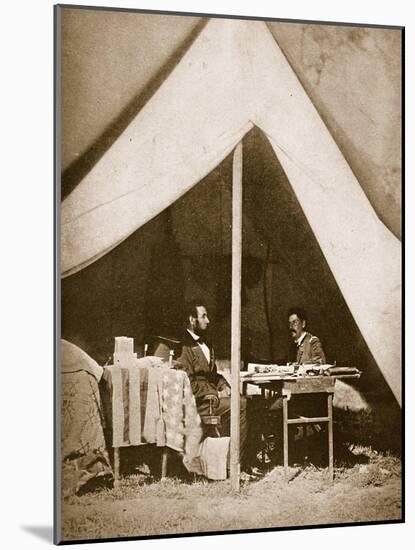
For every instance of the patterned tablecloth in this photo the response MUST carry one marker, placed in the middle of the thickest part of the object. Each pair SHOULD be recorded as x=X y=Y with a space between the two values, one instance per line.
x=153 y=404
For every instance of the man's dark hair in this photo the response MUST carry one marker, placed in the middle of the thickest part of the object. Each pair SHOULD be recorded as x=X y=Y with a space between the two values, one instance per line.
x=190 y=309
x=299 y=311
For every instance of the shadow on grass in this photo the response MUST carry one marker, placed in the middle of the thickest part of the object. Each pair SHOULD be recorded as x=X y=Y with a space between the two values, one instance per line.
x=96 y=484
x=370 y=427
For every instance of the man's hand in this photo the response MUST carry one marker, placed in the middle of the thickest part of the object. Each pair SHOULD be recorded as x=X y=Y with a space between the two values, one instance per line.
x=224 y=392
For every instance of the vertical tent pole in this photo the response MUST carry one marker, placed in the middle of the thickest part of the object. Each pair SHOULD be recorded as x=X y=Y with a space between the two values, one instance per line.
x=236 y=313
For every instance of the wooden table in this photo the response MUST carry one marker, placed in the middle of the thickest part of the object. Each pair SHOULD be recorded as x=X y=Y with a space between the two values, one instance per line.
x=286 y=386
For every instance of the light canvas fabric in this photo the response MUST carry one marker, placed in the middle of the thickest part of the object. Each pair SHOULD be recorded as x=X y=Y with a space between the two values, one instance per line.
x=234 y=76
x=84 y=456
x=214 y=457
x=75 y=359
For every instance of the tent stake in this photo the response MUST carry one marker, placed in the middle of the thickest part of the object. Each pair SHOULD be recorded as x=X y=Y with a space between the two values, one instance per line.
x=236 y=314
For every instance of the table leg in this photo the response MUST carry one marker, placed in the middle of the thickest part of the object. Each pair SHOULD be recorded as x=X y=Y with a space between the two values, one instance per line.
x=116 y=466
x=330 y=434
x=285 y=432
x=164 y=458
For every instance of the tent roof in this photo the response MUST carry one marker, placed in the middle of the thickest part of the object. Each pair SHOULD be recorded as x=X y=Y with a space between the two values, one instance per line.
x=113 y=62
x=233 y=77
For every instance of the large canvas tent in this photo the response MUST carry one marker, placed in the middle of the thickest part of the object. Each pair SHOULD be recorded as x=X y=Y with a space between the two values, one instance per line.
x=234 y=83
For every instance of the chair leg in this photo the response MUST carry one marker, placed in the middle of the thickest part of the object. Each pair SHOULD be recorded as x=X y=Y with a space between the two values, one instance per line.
x=164 y=459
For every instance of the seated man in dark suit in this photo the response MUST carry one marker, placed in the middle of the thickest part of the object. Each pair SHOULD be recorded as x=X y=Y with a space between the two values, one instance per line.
x=197 y=359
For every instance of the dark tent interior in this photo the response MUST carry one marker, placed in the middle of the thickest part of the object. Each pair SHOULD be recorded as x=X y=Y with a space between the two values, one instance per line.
x=139 y=289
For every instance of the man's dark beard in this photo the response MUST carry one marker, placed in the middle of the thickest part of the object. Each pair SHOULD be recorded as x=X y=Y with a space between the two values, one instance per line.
x=197 y=330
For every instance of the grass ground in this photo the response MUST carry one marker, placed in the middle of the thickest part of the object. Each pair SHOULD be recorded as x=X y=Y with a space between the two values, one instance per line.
x=368 y=490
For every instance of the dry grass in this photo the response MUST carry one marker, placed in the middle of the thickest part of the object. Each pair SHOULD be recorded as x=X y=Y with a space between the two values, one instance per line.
x=370 y=490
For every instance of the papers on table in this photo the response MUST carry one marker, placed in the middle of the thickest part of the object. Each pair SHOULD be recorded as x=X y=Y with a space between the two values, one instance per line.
x=259 y=371
x=270 y=369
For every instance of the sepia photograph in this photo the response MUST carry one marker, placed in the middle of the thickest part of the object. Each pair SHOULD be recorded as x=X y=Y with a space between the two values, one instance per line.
x=228 y=222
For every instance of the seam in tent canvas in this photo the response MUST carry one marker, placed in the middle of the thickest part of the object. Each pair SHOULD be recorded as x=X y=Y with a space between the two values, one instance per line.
x=297 y=163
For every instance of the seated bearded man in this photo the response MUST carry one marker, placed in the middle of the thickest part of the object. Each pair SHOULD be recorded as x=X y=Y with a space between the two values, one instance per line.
x=197 y=359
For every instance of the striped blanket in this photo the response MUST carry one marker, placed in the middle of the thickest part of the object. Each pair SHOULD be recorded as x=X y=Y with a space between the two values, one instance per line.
x=151 y=404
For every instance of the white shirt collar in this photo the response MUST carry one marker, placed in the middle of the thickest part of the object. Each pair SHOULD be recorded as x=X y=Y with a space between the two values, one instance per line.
x=298 y=342
x=204 y=347
x=193 y=335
